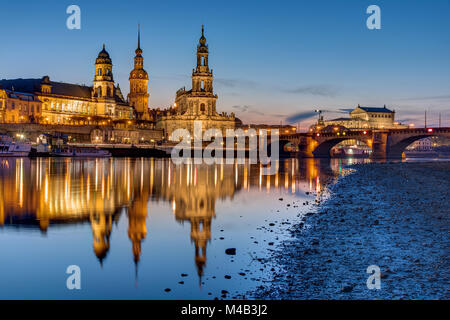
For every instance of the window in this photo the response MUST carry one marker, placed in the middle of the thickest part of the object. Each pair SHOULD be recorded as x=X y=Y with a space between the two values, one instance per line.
x=202 y=85
x=202 y=107
x=99 y=72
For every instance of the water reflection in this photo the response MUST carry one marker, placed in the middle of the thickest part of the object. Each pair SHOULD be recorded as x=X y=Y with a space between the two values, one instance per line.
x=44 y=193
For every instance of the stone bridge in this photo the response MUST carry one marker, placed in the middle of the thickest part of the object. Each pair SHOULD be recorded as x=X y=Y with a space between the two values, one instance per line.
x=385 y=144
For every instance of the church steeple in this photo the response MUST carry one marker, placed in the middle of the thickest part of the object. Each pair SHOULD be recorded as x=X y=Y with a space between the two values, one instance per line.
x=138 y=50
x=138 y=96
x=202 y=77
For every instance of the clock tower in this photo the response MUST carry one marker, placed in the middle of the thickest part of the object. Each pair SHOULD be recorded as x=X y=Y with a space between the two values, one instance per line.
x=138 y=96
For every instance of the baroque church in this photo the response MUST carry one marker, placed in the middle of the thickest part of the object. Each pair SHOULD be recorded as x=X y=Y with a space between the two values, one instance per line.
x=196 y=104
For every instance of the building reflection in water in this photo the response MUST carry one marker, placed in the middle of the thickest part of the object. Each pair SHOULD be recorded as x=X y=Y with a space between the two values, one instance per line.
x=44 y=192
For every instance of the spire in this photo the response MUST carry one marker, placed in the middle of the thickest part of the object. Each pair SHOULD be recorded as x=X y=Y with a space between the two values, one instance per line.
x=139 y=50
x=103 y=46
x=202 y=40
x=139 y=36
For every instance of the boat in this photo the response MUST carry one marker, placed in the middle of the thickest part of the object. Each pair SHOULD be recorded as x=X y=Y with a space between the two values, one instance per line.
x=350 y=152
x=40 y=150
x=81 y=152
x=11 y=148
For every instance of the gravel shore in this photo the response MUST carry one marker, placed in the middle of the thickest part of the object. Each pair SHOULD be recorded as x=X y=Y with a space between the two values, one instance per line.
x=393 y=215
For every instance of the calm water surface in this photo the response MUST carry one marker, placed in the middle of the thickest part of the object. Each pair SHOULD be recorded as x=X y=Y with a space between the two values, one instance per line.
x=134 y=226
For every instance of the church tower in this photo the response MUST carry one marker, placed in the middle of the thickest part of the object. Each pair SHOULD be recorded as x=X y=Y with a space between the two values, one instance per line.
x=199 y=103
x=202 y=81
x=103 y=89
x=138 y=96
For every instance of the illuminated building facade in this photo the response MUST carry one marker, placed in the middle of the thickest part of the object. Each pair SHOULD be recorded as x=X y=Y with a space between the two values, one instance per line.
x=367 y=118
x=199 y=103
x=16 y=107
x=49 y=102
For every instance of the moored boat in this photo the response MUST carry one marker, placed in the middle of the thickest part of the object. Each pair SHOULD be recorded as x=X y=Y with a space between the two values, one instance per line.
x=86 y=152
x=11 y=148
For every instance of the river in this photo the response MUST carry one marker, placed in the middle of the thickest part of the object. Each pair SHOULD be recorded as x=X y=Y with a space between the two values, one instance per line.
x=146 y=228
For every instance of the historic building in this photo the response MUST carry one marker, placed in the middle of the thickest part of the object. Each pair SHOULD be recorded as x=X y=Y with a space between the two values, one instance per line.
x=138 y=96
x=366 y=118
x=199 y=103
x=16 y=107
x=49 y=102
x=67 y=103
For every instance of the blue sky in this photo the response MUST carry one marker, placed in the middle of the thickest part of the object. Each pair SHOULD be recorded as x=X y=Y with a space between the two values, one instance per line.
x=271 y=59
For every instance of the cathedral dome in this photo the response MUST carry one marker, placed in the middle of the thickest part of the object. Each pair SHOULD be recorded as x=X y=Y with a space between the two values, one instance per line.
x=103 y=57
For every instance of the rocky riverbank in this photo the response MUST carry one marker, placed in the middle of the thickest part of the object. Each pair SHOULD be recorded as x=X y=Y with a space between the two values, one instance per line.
x=393 y=215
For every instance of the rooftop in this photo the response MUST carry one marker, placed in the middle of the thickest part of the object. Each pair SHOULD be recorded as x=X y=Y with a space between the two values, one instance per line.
x=33 y=86
x=383 y=110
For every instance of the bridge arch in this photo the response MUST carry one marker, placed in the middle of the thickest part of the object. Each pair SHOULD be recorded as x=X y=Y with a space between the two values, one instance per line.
x=282 y=144
x=323 y=149
x=396 y=150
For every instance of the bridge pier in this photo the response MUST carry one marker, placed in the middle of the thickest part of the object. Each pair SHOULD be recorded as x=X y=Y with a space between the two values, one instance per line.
x=306 y=147
x=379 y=144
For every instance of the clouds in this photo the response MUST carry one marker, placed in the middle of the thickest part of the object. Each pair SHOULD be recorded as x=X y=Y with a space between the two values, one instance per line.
x=241 y=108
x=321 y=90
x=250 y=110
x=234 y=83
x=300 y=116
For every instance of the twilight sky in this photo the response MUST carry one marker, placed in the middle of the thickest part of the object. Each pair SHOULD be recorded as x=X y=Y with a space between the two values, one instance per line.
x=271 y=59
